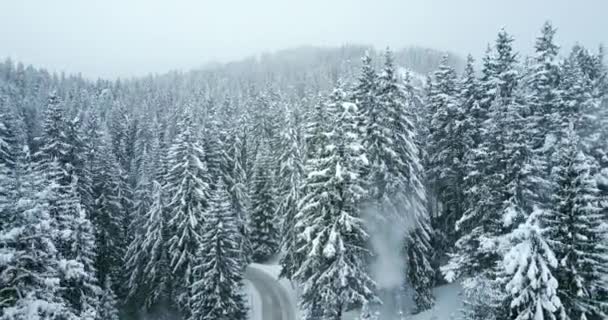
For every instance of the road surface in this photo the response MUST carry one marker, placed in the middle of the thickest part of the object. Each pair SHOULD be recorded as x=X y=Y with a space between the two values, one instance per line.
x=276 y=304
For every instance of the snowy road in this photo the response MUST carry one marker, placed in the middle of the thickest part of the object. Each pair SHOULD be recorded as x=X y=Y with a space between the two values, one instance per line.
x=276 y=304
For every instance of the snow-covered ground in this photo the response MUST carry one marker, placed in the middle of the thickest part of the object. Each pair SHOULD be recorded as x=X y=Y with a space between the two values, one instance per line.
x=272 y=269
x=447 y=307
x=254 y=301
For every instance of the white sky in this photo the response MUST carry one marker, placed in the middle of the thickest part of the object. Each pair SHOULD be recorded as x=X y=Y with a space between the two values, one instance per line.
x=111 y=38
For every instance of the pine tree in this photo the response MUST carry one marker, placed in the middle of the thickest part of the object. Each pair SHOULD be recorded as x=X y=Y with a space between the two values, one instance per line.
x=188 y=191
x=54 y=147
x=483 y=219
x=77 y=167
x=530 y=282
x=29 y=275
x=264 y=232
x=215 y=156
x=503 y=195
x=544 y=101
x=217 y=290
x=290 y=178
x=332 y=235
x=107 y=309
x=575 y=233
x=407 y=195
x=9 y=152
x=147 y=261
x=108 y=214
x=77 y=251
x=420 y=272
x=365 y=95
x=236 y=182
x=544 y=95
x=445 y=150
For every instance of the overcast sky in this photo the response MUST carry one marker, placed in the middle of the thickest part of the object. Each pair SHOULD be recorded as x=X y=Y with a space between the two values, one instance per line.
x=111 y=38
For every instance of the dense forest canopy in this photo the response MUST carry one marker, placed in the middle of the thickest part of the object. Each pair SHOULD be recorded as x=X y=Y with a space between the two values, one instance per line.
x=152 y=195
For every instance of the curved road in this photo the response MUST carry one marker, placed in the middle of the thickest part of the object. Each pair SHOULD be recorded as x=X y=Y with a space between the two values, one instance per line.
x=276 y=304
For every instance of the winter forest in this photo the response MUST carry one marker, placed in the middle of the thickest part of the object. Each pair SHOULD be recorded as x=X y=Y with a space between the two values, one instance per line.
x=370 y=177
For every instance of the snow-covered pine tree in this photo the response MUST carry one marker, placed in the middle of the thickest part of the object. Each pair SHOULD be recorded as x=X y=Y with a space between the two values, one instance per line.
x=405 y=191
x=56 y=170
x=10 y=147
x=108 y=214
x=218 y=272
x=215 y=156
x=503 y=195
x=445 y=149
x=122 y=129
x=420 y=272
x=29 y=275
x=544 y=100
x=53 y=144
x=77 y=167
x=188 y=191
x=264 y=231
x=332 y=237
x=365 y=95
x=388 y=142
x=236 y=183
x=290 y=177
x=478 y=224
x=472 y=128
x=77 y=251
x=107 y=309
x=147 y=257
x=574 y=227
x=531 y=285
x=544 y=95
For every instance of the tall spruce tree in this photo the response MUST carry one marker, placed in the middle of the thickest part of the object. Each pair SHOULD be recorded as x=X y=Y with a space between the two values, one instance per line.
x=529 y=274
x=263 y=228
x=108 y=213
x=107 y=309
x=503 y=196
x=445 y=150
x=332 y=235
x=407 y=194
x=237 y=183
x=290 y=179
x=29 y=269
x=217 y=290
x=10 y=148
x=147 y=263
x=188 y=191
x=575 y=233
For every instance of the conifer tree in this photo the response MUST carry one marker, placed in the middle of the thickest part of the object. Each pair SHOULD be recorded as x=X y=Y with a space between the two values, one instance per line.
x=107 y=309
x=544 y=96
x=446 y=150
x=217 y=290
x=575 y=233
x=108 y=213
x=530 y=282
x=9 y=153
x=236 y=183
x=147 y=260
x=53 y=145
x=75 y=240
x=290 y=178
x=333 y=274
x=29 y=270
x=264 y=231
x=505 y=173
x=188 y=191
